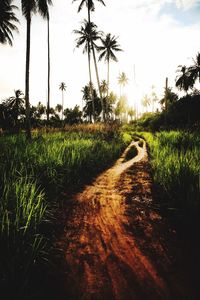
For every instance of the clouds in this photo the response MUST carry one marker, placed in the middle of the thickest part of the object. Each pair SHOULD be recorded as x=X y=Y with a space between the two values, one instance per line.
x=186 y=4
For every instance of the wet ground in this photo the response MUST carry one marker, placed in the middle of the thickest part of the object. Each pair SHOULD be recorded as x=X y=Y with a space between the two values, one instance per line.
x=118 y=245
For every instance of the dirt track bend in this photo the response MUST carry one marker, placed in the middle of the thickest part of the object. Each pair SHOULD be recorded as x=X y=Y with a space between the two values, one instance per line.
x=113 y=244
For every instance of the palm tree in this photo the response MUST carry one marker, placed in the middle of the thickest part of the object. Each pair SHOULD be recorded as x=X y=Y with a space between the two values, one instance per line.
x=131 y=113
x=122 y=80
x=49 y=66
x=146 y=102
x=184 y=81
x=30 y=7
x=89 y=4
x=41 y=109
x=62 y=87
x=194 y=70
x=108 y=48
x=58 y=108
x=16 y=104
x=87 y=33
x=7 y=20
x=104 y=87
x=169 y=98
x=91 y=8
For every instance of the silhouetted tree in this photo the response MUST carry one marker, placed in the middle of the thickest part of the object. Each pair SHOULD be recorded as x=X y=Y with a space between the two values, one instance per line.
x=104 y=88
x=73 y=116
x=87 y=109
x=87 y=34
x=91 y=8
x=7 y=21
x=108 y=48
x=49 y=65
x=184 y=81
x=30 y=7
x=194 y=70
x=169 y=98
x=12 y=109
x=40 y=110
x=62 y=87
x=58 y=108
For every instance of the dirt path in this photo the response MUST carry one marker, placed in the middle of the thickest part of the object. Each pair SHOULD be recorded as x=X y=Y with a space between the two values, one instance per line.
x=116 y=245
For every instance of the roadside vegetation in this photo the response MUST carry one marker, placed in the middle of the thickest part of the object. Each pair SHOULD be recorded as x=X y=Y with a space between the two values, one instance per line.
x=175 y=157
x=31 y=177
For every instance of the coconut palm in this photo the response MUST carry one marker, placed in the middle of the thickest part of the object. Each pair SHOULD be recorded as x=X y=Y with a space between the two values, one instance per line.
x=62 y=87
x=49 y=66
x=184 y=81
x=87 y=109
x=108 y=48
x=122 y=80
x=194 y=70
x=7 y=20
x=91 y=8
x=58 y=108
x=87 y=34
x=89 y=4
x=30 y=7
x=104 y=87
x=131 y=113
x=146 y=102
x=16 y=105
x=169 y=98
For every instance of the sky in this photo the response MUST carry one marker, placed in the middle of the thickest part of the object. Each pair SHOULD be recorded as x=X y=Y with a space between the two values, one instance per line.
x=156 y=37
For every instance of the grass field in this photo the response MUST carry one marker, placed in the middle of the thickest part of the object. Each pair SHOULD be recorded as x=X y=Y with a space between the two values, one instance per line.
x=175 y=160
x=31 y=176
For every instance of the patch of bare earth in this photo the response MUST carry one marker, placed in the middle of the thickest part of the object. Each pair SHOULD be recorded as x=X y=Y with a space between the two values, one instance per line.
x=116 y=245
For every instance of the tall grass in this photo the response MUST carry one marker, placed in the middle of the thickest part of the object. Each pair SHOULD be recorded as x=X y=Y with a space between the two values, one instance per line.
x=176 y=166
x=31 y=176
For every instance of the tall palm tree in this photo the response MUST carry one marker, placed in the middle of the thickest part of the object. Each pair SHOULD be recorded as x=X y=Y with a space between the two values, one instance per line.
x=184 y=81
x=91 y=8
x=62 y=87
x=49 y=66
x=87 y=33
x=122 y=80
x=7 y=20
x=89 y=4
x=30 y=7
x=108 y=48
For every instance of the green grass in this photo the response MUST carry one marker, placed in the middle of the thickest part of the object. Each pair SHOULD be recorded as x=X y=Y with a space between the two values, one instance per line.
x=31 y=177
x=175 y=159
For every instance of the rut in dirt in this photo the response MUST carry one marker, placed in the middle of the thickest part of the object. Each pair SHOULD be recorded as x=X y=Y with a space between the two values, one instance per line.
x=116 y=245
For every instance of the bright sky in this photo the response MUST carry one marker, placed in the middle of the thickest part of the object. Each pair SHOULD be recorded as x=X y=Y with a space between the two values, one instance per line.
x=156 y=36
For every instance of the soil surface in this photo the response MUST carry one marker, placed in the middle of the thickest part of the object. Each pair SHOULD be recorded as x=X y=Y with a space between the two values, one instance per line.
x=118 y=245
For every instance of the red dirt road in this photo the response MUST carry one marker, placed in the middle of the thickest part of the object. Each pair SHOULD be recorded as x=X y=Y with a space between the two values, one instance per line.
x=116 y=245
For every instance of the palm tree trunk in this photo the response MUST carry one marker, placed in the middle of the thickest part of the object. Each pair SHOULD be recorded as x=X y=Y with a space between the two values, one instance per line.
x=62 y=103
x=108 y=83
x=48 y=40
x=96 y=70
x=90 y=76
x=98 y=82
x=108 y=77
x=28 y=40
